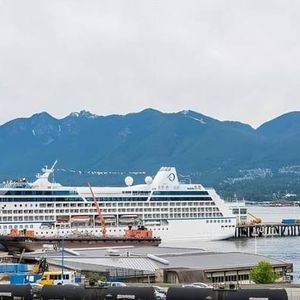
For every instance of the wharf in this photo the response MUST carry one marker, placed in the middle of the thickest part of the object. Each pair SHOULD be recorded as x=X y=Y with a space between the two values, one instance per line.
x=267 y=230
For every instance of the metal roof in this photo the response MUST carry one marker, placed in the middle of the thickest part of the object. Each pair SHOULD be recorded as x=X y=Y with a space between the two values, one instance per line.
x=217 y=260
x=100 y=252
x=132 y=263
x=139 y=259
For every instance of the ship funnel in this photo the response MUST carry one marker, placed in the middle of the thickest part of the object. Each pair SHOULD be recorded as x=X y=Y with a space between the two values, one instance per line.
x=166 y=176
x=42 y=179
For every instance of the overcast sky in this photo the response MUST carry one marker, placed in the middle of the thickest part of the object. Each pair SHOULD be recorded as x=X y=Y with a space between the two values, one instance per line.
x=232 y=60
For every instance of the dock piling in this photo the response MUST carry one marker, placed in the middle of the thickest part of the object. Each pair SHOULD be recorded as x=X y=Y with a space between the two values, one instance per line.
x=267 y=230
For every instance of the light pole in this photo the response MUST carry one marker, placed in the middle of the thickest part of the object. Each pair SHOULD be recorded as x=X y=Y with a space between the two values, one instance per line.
x=62 y=260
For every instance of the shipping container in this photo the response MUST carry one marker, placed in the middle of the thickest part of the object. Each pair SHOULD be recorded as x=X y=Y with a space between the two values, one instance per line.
x=289 y=221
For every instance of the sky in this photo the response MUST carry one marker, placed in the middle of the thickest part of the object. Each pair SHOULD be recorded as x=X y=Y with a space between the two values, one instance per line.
x=231 y=60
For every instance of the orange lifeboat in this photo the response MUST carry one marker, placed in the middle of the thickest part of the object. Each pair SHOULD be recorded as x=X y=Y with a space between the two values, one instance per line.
x=140 y=232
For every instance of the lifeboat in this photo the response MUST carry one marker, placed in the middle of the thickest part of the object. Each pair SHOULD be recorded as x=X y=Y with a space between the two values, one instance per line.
x=128 y=219
x=62 y=219
x=152 y=223
x=80 y=219
x=109 y=219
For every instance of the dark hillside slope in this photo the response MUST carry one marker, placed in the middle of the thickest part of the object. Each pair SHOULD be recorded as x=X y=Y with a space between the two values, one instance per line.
x=213 y=152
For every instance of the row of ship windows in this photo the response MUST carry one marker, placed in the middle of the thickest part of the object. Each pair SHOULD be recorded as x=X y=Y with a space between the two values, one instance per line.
x=237 y=211
x=82 y=231
x=167 y=204
x=180 y=199
x=120 y=204
x=189 y=193
x=72 y=192
x=44 y=199
x=102 y=199
x=27 y=226
x=39 y=193
x=130 y=199
x=152 y=215
x=111 y=210
x=136 y=192
x=16 y=226
x=27 y=218
x=94 y=231
x=182 y=215
x=219 y=221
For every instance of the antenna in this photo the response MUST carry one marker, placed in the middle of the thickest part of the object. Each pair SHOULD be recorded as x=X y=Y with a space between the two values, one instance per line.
x=52 y=171
x=52 y=168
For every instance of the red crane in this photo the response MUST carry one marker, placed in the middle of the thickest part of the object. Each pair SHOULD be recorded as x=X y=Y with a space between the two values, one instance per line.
x=99 y=211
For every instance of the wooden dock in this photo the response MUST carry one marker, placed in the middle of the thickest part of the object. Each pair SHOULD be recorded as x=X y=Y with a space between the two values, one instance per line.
x=267 y=230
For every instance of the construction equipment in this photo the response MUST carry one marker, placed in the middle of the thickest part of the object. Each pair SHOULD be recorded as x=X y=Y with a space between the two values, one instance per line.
x=256 y=220
x=41 y=267
x=99 y=211
x=139 y=232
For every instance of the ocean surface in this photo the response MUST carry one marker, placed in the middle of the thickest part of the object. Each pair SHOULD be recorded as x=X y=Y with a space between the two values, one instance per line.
x=282 y=248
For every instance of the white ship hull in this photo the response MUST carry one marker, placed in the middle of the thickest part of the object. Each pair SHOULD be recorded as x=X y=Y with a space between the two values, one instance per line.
x=172 y=210
x=173 y=231
x=187 y=230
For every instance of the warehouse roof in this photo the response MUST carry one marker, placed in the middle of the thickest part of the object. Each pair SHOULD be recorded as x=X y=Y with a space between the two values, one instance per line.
x=150 y=259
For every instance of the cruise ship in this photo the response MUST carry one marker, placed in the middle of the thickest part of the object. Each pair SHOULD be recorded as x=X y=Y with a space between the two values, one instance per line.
x=173 y=210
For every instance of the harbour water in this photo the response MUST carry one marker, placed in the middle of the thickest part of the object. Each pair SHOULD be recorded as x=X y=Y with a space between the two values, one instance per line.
x=282 y=248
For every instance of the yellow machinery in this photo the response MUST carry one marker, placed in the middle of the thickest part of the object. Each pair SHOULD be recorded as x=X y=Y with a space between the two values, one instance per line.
x=41 y=267
x=255 y=220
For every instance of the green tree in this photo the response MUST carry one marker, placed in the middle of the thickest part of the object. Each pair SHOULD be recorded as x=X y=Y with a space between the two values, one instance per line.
x=263 y=273
x=94 y=277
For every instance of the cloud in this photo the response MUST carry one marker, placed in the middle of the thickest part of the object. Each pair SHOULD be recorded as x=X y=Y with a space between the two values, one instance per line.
x=235 y=60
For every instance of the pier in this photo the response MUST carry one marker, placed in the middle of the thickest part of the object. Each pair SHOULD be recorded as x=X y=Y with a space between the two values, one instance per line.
x=267 y=230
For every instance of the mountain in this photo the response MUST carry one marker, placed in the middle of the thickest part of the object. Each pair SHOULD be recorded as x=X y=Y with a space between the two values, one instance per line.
x=284 y=126
x=283 y=136
x=231 y=156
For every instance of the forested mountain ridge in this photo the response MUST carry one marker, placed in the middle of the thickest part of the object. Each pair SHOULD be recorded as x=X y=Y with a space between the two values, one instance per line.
x=233 y=157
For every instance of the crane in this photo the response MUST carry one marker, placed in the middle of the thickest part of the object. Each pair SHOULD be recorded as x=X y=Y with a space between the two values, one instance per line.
x=256 y=220
x=99 y=211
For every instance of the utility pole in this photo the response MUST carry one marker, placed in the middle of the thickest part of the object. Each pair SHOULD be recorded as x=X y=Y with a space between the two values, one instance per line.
x=62 y=260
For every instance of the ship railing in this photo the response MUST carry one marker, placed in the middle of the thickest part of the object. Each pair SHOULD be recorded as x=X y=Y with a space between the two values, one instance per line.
x=14 y=185
x=185 y=179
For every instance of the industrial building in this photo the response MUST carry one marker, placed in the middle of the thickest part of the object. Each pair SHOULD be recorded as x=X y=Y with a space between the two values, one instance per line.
x=164 y=264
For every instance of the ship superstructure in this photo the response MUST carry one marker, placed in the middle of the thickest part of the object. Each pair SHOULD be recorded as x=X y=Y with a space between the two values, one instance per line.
x=173 y=210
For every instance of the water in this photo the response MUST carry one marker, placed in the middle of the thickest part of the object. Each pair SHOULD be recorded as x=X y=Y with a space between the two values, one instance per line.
x=282 y=248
